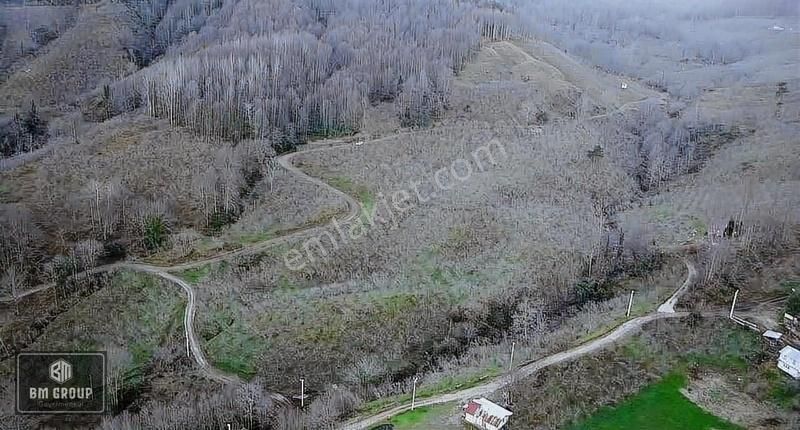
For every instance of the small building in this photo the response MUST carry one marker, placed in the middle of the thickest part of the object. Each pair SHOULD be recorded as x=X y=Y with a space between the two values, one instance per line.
x=789 y=361
x=486 y=415
x=773 y=339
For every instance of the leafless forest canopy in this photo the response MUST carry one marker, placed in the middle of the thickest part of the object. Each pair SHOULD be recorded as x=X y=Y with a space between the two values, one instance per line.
x=634 y=134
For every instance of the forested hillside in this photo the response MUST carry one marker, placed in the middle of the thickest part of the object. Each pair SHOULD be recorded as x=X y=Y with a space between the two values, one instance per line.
x=552 y=160
x=290 y=70
x=273 y=73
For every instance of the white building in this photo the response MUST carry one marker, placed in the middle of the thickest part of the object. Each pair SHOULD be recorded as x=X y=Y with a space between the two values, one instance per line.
x=789 y=361
x=772 y=335
x=485 y=415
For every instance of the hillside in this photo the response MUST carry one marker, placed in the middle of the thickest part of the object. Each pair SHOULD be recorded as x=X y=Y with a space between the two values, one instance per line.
x=377 y=198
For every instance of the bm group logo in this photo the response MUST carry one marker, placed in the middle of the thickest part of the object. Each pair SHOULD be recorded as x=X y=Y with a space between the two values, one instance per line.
x=61 y=382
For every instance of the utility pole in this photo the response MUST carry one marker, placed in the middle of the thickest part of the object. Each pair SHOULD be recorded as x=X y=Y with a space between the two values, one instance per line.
x=733 y=304
x=511 y=361
x=510 y=373
x=414 y=394
x=630 y=304
x=302 y=393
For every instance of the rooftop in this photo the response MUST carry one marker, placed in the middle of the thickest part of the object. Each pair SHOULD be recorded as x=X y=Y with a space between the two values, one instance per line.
x=490 y=412
x=789 y=352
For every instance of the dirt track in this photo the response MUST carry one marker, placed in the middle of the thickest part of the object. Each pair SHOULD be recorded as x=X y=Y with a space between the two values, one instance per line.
x=164 y=272
x=354 y=209
x=624 y=330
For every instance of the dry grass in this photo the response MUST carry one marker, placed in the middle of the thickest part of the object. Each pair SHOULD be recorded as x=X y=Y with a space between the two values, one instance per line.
x=153 y=162
x=87 y=54
x=17 y=44
x=523 y=227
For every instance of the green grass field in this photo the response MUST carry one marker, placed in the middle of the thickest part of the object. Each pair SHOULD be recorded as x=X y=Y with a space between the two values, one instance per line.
x=360 y=192
x=136 y=313
x=658 y=406
x=194 y=276
x=427 y=418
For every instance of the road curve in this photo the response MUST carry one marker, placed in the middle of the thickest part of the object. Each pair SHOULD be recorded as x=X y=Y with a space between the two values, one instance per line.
x=669 y=305
x=285 y=161
x=192 y=343
x=625 y=329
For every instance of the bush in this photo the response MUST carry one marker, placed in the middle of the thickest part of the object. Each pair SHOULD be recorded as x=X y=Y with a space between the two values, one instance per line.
x=218 y=220
x=793 y=304
x=592 y=290
x=114 y=251
x=156 y=232
x=43 y=35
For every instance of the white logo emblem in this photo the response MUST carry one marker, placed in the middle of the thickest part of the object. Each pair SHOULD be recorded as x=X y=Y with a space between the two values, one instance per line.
x=60 y=371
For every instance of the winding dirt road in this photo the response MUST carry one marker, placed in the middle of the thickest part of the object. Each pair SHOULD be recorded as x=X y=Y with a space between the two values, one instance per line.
x=353 y=211
x=192 y=342
x=164 y=272
x=669 y=305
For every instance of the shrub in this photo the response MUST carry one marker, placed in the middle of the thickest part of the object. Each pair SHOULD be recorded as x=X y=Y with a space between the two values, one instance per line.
x=592 y=290
x=218 y=220
x=156 y=232
x=113 y=251
x=43 y=35
x=793 y=304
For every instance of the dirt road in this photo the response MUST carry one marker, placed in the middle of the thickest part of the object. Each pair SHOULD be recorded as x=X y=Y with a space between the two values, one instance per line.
x=669 y=305
x=624 y=330
x=192 y=343
x=285 y=161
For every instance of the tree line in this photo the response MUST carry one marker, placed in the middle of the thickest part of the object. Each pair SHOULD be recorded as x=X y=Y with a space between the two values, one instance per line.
x=288 y=71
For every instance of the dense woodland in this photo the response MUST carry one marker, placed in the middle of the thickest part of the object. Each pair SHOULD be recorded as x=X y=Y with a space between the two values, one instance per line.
x=287 y=71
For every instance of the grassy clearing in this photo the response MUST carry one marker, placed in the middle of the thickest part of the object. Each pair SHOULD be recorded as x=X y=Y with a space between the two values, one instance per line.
x=360 y=192
x=698 y=225
x=660 y=405
x=5 y=193
x=230 y=340
x=134 y=309
x=425 y=418
x=782 y=391
x=731 y=352
x=135 y=313
x=194 y=276
x=236 y=349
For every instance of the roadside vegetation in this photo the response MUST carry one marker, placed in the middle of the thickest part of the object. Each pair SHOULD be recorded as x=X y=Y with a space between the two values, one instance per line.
x=659 y=404
x=440 y=417
x=645 y=381
x=137 y=320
